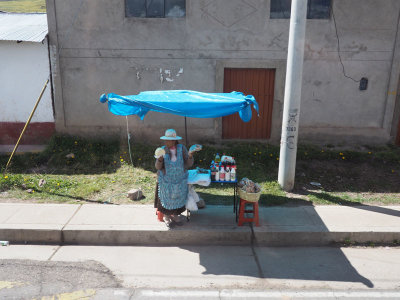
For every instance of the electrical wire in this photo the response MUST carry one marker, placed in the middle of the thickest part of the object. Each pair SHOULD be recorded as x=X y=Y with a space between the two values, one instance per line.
x=338 y=49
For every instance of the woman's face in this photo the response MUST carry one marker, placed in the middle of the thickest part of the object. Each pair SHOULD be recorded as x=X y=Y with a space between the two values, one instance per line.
x=169 y=144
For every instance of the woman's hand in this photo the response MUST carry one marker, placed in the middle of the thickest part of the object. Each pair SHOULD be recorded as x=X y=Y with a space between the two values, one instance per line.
x=194 y=148
x=160 y=152
x=161 y=158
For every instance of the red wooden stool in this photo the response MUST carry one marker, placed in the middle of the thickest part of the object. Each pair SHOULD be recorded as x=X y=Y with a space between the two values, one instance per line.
x=160 y=216
x=242 y=211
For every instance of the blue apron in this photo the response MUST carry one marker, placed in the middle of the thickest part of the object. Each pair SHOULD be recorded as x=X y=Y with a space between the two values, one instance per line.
x=173 y=188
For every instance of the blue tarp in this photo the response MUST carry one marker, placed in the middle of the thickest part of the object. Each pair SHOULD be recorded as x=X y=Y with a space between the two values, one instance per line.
x=183 y=103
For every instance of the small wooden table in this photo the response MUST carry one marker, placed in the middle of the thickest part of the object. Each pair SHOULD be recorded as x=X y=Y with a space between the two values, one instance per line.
x=235 y=195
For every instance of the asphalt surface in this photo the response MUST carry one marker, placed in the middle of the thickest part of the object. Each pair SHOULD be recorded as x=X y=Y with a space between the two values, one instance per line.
x=198 y=272
x=29 y=279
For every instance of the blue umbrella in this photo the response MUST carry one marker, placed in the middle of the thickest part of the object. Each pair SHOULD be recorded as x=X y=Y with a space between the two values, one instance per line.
x=183 y=103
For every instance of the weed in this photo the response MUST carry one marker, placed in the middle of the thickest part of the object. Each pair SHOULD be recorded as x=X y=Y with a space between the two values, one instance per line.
x=348 y=242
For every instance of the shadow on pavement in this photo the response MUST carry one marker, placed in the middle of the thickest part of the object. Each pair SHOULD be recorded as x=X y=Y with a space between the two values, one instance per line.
x=319 y=263
x=341 y=201
x=292 y=263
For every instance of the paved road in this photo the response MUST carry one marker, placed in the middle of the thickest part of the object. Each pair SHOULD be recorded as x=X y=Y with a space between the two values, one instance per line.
x=27 y=279
x=208 y=272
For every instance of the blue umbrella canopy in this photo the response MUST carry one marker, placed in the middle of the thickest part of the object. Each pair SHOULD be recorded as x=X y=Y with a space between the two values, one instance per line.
x=183 y=103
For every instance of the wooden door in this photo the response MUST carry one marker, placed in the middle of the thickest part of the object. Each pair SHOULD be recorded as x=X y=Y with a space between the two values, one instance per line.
x=260 y=84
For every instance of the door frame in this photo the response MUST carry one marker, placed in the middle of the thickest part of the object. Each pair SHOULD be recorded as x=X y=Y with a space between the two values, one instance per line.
x=279 y=89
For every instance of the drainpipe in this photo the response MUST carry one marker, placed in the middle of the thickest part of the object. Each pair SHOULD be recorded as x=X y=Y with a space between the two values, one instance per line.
x=291 y=106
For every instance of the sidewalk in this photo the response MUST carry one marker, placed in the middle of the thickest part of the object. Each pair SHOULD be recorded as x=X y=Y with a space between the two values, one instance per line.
x=91 y=224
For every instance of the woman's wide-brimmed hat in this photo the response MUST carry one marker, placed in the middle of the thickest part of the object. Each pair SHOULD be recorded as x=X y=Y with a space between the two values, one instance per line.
x=170 y=134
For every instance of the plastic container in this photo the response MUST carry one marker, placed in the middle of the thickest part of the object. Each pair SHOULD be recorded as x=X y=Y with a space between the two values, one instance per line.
x=4 y=243
x=221 y=173
x=233 y=174
x=227 y=175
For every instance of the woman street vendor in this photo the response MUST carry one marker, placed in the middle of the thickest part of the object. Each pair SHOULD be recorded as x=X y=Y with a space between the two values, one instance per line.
x=172 y=163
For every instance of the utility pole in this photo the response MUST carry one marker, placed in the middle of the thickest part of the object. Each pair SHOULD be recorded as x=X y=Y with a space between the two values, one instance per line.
x=291 y=106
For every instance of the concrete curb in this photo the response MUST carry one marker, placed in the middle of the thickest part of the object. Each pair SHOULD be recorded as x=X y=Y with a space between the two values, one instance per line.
x=156 y=238
x=34 y=236
x=219 y=294
x=279 y=239
x=192 y=237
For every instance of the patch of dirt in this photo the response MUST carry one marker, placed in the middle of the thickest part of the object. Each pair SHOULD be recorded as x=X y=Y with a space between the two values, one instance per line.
x=296 y=196
x=345 y=176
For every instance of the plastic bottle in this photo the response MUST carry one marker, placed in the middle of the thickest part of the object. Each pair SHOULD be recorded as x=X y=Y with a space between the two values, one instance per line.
x=212 y=168
x=221 y=173
x=216 y=173
x=233 y=173
x=227 y=174
x=217 y=158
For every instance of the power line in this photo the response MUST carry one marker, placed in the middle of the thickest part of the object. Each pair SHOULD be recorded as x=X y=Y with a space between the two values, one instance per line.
x=338 y=48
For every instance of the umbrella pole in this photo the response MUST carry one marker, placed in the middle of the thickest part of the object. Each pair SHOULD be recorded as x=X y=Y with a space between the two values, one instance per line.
x=186 y=138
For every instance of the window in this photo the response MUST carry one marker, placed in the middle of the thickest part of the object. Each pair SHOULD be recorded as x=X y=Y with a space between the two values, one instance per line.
x=155 y=8
x=317 y=9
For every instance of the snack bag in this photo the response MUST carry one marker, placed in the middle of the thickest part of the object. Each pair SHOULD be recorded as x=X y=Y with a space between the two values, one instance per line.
x=195 y=148
x=159 y=152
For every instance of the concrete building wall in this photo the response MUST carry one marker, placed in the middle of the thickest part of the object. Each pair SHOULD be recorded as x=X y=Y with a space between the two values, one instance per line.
x=24 y=70
x=96 y=49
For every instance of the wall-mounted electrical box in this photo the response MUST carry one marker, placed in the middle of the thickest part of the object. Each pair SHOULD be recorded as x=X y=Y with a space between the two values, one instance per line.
x=363 y=84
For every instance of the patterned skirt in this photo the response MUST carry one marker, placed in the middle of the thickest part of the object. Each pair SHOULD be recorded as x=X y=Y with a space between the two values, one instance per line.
x=158 y=205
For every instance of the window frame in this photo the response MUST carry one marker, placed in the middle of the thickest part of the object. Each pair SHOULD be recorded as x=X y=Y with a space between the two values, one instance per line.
x=163 y=16
x=308 y=12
